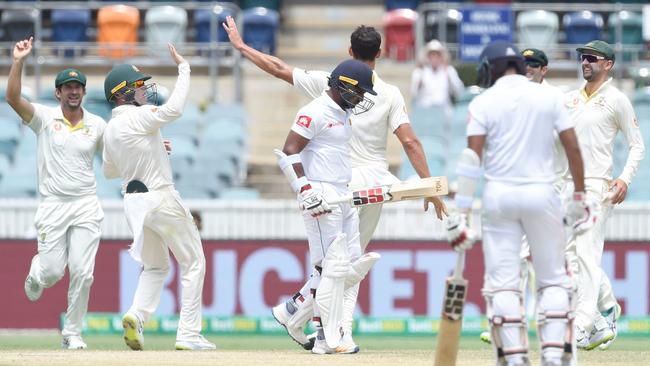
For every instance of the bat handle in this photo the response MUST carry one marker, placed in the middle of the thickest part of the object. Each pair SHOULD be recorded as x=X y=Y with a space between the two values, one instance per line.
x=460 y=263
x=339 y=199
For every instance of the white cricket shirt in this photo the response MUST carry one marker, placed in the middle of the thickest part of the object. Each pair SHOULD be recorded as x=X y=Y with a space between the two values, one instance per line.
x=597 y=119
x=133 y=145
x=369 y=129
x=431 y=87
x=66 y=153
x=326 y=157
x=519 y=119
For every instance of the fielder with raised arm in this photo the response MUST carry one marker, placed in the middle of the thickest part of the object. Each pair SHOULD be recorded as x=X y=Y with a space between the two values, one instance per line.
x=160 y=222
x=599 y=111
x=510 y=129
x=367 y=153
x=316 y=161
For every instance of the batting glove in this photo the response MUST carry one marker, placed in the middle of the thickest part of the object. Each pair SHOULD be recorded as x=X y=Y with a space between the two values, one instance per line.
x=582 y=213
x=313 y=202
x=459 y=234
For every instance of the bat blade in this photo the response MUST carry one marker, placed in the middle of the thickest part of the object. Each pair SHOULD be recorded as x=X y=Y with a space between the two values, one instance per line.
x=451 y=321
x=420 y=188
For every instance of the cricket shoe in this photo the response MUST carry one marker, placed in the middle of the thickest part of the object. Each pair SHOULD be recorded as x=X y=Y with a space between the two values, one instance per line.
x=73 y=342
x=133 y=332
x=320 y=345
x=593 y=340
x=33 y=289
x=347 y=345
x=486 y=337
x=611 y=317
x=282 y=313
x=198 y=344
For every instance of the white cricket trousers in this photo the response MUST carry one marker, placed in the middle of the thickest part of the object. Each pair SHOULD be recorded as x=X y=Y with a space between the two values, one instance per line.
x=585 y=253
x=68 y=235
x=322 y=230
x=510 y=211
x=363 y=177
x=170 y=227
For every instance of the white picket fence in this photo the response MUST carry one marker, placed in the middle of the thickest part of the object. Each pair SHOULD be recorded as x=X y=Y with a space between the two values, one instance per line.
x=280 y=219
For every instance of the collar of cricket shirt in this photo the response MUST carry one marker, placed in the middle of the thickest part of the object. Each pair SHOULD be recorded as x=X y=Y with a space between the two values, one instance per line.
x=589 y=97
x=59 y=115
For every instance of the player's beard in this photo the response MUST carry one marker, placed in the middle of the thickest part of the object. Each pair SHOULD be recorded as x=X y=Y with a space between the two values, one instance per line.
x=590 y=71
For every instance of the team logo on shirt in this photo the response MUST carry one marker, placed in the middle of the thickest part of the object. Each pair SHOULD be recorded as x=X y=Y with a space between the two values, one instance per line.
x=304 y=121
x=58 y=126
x=601 y=102
x=335 y=123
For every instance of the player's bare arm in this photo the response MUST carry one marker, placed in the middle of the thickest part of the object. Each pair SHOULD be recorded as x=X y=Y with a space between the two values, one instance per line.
x=14 y=83
x=294 y=144
x=570 y=143
x=178 y=59
x=413 y=149
x=270 y=64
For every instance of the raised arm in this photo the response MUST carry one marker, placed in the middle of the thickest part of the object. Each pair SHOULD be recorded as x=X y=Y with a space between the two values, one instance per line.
x=22 y=106
x=270 y=64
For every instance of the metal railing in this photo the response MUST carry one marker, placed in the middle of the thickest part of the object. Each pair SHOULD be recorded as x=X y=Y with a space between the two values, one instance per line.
x=212 y=55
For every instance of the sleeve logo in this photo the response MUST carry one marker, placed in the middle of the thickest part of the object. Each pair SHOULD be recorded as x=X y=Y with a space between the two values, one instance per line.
x=304 y=121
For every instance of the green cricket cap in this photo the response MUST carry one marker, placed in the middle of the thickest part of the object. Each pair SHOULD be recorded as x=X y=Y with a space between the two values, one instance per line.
x=535 y=55
x=69 y=75
x=600 y=47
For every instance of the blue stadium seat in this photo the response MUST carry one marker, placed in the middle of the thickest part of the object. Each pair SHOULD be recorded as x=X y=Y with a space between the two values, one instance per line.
x=194 y=183
x=260 y=28
x=641 y=102
x=106 y=188
x=10 y=134
x=5 y=165
x=19 y=183
x=18 y=24
x=184 y=148
x=224 y=132
x=269 y=4
x=165 y=24
x=239 y=193
x=402 y=4
x=27 y=144
x=70 y=26
x=219 y=112
x=582 y=27
x=95 y=102
x=430 y=121
x=202 y=23
x=186 y=126
x=538 y=28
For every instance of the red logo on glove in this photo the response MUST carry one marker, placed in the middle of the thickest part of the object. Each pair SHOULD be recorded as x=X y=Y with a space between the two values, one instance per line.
x=304 y=121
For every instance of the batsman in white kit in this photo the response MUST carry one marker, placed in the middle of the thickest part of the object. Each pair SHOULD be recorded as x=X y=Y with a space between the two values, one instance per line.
x=316 y=161
x=367 y=153
x=160 y=222
x=511 y=128
x=69 y=216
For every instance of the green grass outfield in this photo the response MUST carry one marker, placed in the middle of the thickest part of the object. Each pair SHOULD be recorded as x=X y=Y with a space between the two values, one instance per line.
x=274 y=350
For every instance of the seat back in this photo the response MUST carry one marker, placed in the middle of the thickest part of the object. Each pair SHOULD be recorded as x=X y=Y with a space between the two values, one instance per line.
x=400 y=36
x=70 y=25
x=117 y=32
x=582 y=27
x=402 y=4
x=260 y=27
x=18 y=24
x=538 y=28
x=165 y=24
x=201 y=22
x=269 y=4
x=452 y=19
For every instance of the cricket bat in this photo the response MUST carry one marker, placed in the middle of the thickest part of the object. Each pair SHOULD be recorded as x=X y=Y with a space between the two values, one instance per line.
x=451 y=320
x=420 y=188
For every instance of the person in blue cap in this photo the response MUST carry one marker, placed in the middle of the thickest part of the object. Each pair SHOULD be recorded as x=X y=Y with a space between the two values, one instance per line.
x=316 y=161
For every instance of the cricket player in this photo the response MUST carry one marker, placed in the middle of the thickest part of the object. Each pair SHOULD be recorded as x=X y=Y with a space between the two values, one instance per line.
x=316 y=161
x=599 y=111
x=511 y=129
x=69 y=216
x=368 y=156
x=160 y=222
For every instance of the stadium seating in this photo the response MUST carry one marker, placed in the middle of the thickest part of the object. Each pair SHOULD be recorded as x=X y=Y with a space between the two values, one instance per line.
x=429 y=122
x=165 y=24
x=400 y=35
x=631 y=30
x=106 y=188
x=10 y=133
x=641 y=103
x=95 y=102
x=219 y=112
x=402 y=4
x=452 y=19
x=269 y=4
x=70 y=25
x=202 y=23
x=117 y=31
x=538 y=28
x=260 y=28
x=18 y=24
x=582 y=26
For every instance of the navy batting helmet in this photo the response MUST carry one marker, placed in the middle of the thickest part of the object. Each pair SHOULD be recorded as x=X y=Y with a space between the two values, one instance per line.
x=352 y=78
x=495 y=59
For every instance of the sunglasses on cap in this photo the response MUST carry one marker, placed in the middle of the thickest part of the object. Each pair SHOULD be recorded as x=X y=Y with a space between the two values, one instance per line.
x=591 y=58
x=533 y=64
x=137 y=83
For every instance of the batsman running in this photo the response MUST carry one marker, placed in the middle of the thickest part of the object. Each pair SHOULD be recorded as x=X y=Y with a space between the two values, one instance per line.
x=367 y=154
x=511 y=128
x=316 y=161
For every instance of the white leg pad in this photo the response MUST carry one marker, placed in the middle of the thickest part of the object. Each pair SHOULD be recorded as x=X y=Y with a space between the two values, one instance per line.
x=349 y=304
x=508 y=325
x=555 y=316
x=329 y=295
x=302 y=315
x=360 y=268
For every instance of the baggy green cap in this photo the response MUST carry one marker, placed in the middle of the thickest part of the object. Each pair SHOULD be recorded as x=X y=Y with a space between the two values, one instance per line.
x=600 y=47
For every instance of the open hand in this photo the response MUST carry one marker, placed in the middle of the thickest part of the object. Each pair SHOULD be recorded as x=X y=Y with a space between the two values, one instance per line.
x=175 y=55
x=233 y=33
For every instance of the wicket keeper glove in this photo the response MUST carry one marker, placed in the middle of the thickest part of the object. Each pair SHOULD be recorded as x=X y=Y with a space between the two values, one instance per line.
x=459 y=234
x=582 y=213
x=313 y=202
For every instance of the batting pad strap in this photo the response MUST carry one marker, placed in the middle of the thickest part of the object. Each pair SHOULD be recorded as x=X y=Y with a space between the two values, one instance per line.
x=286 y=165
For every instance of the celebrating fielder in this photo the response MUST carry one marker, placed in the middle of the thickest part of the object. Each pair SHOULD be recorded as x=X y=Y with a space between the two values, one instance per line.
x=134 y=151
x=69 y=215
x=599 y=111
x=511 y=127
x=367 y=153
